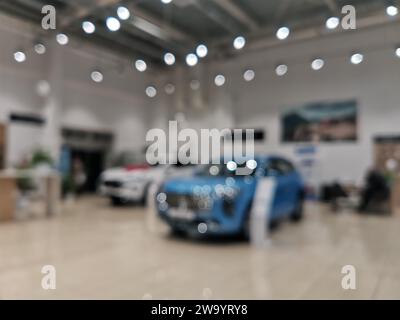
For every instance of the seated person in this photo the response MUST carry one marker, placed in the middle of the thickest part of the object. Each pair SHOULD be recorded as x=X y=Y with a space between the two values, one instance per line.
x=376 y=190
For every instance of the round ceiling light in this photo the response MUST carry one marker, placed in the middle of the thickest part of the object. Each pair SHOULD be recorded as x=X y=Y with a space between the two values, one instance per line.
x=281 y=70
x=113 y=24
x=62 y=39
x=283 y=33
x=201 y=51
x=249 y=75
x=239 y=43
x=151 y=91
x=19 y=56
x=191 y=60
x=40 y=48
x=219 y=80
x=88 y=27
x=123 y=13
x=140 y=65
x=169 y=59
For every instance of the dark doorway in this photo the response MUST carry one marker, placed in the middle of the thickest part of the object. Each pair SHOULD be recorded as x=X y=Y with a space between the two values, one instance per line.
x=93 y=165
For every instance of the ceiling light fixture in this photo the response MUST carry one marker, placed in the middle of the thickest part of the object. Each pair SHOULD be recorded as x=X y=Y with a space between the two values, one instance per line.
x=219 y=80
x=123 y=13
x=201 y=50
x=151 y=91
x=140 y=65
x=169 y=88
x=249 y=75
x=191 y=60
x=166 y=1
x=283 y=33
x=392 y=11
x=97 y=76
x=317 y=64
x=398 y=52
x=281 y=70
x=332 y=23
x=239 y=43
x=113 y=24
x=357 y=58
x=169 y=59
x=40 y=48
x=62 y=39
x=88 y=27
x=19 y=56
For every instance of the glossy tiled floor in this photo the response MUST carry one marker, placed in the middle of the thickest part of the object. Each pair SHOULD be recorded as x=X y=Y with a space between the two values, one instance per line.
x=100 y=252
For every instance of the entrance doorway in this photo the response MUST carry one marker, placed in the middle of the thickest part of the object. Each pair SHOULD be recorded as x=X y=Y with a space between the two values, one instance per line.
x=84 y=156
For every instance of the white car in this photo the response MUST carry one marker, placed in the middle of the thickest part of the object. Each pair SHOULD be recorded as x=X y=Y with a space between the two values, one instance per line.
x=131 y=183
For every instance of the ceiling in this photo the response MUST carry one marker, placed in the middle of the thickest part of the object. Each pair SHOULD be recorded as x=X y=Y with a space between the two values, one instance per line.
x=177 y=27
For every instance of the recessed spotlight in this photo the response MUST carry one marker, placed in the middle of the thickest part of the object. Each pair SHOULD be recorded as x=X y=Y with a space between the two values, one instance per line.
x=140 y=65
x=169 y=59
x=392 y=11
x=151 y=91
x=40 y=48
x=357 y=58
x=219 y=80
x=88 y=27
x=239 y=43
x=123 y=13
x=191 y=60
x=317 y=64
x=283 y=33
x=43 y=88
x=249 y=75
x=201 y=51
x=166 y=1
x=332 y=23
x=113 y=24
x=195 y=84
x=281 y=70
x=169 y=88
x=398 y=52
x=19 y=56
x=97 y=76
x=62 y=39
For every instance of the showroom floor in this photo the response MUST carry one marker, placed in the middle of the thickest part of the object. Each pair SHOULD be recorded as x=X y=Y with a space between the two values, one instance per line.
x=100 y=252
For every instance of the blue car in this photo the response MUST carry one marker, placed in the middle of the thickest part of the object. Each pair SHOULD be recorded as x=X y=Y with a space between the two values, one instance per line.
x=218 y=199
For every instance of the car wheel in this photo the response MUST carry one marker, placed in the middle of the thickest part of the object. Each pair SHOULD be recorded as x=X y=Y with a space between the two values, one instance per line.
x=298 y=213
x=116 y=202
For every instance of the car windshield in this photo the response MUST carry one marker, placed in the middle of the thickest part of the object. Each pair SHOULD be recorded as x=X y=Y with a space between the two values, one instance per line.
x=230 y=169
